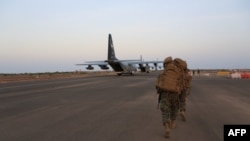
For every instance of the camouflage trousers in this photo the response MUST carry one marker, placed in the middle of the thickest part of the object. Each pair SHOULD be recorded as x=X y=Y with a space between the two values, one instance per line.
x=182 y=99
x=169 y=105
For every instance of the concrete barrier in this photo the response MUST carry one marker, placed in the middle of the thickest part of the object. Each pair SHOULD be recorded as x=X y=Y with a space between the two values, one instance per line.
x=245 y=75
x=236 y=75
x=223 y=73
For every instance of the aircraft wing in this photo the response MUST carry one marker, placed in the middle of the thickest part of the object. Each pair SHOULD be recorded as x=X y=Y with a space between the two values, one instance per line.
x=144 y=62
x=102 y=64
x=137 y=61
x=106 y=62
x=128 y=61
x=94 y=63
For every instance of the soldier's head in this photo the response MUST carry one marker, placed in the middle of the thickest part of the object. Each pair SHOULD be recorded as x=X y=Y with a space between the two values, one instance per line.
x=167 y=61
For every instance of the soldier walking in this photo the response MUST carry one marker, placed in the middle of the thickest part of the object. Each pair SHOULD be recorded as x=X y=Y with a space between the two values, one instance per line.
x=184 y=93
x=169 y=86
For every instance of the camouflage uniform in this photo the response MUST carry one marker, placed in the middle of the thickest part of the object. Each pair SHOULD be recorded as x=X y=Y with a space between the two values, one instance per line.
x=182 y=98
x=184 y=93
x=169 y=106
x=168 y=101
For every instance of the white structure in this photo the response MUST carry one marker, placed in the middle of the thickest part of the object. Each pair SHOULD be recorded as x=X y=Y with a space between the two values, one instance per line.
x=236 y=75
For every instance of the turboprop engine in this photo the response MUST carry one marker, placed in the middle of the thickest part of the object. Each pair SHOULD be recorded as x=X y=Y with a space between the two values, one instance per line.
x=104 y=67
x=89 y=67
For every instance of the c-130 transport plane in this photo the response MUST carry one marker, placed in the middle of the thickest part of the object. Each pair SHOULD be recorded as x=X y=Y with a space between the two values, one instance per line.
x=120 y=66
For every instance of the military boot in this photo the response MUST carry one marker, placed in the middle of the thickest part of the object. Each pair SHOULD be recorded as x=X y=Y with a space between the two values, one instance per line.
x=183 y=117
x=172 y=124
x=167 y=130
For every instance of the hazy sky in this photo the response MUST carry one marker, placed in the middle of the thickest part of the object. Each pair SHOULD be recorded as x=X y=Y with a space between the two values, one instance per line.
x=54 y=35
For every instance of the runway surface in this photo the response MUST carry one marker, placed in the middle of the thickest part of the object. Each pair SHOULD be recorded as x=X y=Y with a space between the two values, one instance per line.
x=113 y=108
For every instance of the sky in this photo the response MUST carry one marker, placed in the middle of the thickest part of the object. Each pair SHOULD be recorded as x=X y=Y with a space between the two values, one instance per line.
x=54 y=35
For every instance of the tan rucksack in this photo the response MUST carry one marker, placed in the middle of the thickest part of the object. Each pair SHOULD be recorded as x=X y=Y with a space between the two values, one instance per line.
x=180 y=63
x=171 y=79
x=183 y=66
x=187 y=80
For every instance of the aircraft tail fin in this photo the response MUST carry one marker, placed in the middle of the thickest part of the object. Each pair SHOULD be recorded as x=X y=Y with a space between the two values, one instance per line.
x=111 y=50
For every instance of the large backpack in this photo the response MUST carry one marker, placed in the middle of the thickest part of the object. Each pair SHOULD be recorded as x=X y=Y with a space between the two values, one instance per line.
x=180 y=63
x=183 y=66
x=171 y=79
x=187 y=80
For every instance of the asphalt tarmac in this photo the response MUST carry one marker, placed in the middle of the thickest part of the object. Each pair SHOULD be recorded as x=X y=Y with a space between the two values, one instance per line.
x=113 y=108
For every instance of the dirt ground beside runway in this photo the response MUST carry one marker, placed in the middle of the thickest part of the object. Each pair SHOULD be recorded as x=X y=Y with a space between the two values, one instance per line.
x=8 y=78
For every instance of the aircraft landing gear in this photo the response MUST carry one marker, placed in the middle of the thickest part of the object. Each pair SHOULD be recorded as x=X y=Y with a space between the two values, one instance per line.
x=126 y=73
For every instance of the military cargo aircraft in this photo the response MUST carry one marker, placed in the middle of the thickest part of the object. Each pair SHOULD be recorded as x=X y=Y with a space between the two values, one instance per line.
x=120 y=66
